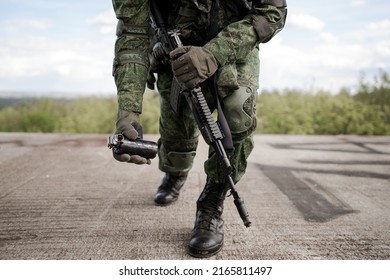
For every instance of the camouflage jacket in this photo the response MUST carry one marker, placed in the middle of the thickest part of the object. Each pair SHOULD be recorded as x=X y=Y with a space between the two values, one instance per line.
x=242 y=25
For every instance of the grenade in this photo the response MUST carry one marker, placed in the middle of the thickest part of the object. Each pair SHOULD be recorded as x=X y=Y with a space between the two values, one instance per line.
x=143 y=148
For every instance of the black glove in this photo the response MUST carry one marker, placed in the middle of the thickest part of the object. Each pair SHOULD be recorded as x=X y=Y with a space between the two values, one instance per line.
x=193 y=65
x=128 y=124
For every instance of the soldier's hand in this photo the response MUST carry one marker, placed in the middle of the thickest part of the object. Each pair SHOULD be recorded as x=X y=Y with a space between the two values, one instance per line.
x=193 y=65
x=131 y=159
x=128 y=124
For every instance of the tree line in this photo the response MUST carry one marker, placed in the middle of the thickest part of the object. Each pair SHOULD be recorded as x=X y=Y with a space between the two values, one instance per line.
x=366 y=112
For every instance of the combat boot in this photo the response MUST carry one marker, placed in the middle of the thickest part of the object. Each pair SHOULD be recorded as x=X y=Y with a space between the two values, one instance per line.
x=207 y=235
x=169 y=190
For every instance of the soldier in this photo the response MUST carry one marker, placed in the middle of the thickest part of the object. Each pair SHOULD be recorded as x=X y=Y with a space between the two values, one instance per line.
x=221 y=39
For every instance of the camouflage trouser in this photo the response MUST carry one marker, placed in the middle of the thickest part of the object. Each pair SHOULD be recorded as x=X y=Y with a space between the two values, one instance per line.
x=237 y=90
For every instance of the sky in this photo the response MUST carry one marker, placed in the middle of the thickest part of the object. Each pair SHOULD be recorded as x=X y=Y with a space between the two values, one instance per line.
x=66 y=47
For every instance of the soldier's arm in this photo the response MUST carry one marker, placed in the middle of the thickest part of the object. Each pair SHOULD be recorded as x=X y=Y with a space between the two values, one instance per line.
x=235 y=41
x=131 y=61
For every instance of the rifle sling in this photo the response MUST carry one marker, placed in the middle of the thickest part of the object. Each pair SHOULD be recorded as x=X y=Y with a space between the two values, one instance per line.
x=227 y=140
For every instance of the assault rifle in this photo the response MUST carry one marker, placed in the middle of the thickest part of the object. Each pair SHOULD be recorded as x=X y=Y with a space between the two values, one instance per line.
x=210 y=129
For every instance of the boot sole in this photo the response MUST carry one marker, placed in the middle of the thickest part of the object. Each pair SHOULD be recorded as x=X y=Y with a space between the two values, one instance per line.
x=197 y=253
x=162 y=203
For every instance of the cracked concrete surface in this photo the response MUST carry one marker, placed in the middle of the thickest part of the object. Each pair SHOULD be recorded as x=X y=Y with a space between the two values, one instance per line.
x=63 y=196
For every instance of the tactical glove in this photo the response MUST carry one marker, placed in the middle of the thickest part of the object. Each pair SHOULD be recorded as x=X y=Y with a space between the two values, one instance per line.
x=128 y=124
x=192 y=65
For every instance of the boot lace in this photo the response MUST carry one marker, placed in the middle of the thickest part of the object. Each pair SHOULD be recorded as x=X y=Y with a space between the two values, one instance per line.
x=210 y=210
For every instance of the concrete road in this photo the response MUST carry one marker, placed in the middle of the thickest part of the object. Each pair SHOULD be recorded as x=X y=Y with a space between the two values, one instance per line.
x=309 y=197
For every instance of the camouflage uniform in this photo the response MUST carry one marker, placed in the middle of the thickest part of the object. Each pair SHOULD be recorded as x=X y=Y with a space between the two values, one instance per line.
x=233 y=53
x=242 y=25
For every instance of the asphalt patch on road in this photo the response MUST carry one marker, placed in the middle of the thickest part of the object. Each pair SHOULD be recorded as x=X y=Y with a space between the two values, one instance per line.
x=313 y=201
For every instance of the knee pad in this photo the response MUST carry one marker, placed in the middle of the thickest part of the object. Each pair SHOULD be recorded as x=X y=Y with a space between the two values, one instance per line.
x=240 y=111
x=175 y=163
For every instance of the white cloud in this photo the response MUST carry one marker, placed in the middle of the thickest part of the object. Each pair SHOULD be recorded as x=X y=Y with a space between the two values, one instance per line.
x=24 y=24
x=78 y=64
x=383 y=25
x=106 y=22
x=373 y=31
x=71 y=66
x=343 y=56
x=331 y=65
x=329 y=37
x=358 y=2
x=383 y=48
x=305 y=22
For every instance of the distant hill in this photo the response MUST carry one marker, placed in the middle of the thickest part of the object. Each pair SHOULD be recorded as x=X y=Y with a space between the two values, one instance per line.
x=15 y=101
x=70 y=95
x=11 y=101
x=11 y=98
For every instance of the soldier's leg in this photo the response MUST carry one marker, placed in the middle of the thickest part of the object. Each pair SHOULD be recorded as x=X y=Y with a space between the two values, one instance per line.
x=240 y=112
x=177 y=144
x=239 y=109
x=207 y=236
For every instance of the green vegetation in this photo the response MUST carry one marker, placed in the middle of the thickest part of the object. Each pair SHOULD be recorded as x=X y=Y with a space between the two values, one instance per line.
x=291 y=112
x=287 y=112
x=82 y=115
